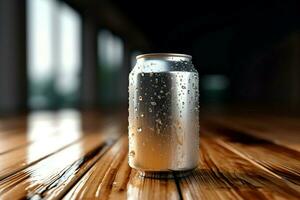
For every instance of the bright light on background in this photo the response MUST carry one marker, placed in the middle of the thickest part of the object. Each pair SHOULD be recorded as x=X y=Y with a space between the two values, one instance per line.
x=69 y=45
x=111 y=68
x=215 y=82
x=215 y=88
x=54 y=55
x=40 y=38
x=110 y=50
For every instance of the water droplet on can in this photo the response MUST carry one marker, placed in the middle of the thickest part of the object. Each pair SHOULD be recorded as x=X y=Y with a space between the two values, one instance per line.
x=132 y=153
x=153 y=103
x=159 y=121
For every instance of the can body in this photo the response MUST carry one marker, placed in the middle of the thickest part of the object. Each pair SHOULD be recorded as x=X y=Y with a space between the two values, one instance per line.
x=163 y=113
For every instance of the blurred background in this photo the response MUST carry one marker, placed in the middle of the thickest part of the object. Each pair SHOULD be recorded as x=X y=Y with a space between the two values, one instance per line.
x=57 y=54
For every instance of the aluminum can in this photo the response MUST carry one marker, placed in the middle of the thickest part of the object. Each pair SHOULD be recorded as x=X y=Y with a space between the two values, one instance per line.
x=163 y=113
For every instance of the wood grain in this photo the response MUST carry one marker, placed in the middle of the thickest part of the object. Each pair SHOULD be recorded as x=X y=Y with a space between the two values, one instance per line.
x=58 y=170
x=222 y=174
x=84 y=156
x=280 y=130
x=112 y=178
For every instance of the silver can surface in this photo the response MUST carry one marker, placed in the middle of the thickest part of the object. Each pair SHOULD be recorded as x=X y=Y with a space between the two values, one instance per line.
x=163 y=113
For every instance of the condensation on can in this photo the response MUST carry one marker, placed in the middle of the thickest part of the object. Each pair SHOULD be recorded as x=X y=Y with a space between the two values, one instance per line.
x=163 y=113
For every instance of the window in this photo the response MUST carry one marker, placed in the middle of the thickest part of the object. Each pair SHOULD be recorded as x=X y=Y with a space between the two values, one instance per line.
x=214 y=88
x=53 y=54
x=67 y=80
x=112 y=77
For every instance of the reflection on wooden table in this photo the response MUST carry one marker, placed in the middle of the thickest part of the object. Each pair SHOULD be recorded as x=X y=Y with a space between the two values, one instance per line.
x=71 y=155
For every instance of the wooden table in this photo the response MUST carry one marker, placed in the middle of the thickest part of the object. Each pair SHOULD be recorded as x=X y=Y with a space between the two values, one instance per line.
x=68 y=155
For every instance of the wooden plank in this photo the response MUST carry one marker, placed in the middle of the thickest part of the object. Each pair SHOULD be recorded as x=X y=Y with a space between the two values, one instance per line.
x=19 y=159
x=7 y=133
x=12 y=143
x=100 y=174
x=112 y=178
x=13 y=123
x=283 y=131
x=278 y=160
x=223 y=174
x=20 y=139
x=52 y=177
x=151 y=188
x=35 y=127
x=234 y=164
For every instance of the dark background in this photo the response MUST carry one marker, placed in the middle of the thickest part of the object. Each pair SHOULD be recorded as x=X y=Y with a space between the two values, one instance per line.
x=246 y=52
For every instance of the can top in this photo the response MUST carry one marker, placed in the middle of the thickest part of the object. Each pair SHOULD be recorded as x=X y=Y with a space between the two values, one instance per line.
x=166 y=56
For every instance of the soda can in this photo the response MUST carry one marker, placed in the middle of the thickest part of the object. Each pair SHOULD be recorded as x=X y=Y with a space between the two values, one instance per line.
x=163 y=114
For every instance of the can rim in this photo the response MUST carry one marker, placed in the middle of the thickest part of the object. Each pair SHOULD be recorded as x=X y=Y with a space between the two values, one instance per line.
x=163 y=55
